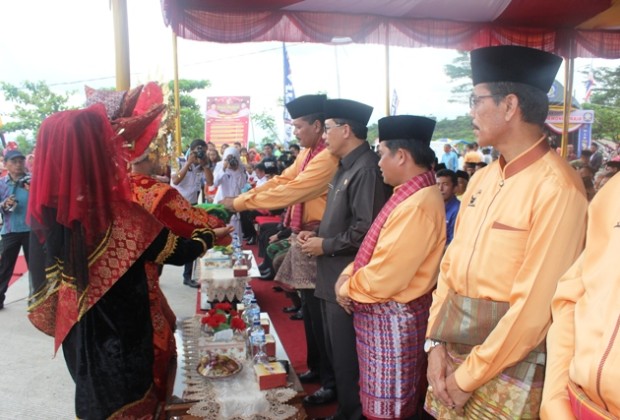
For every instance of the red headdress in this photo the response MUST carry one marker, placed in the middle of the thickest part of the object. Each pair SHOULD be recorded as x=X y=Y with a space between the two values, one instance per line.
x=80 y=172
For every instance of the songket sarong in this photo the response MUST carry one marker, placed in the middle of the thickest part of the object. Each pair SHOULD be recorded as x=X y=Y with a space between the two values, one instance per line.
x=516 y=392
x=583 y=407
x=390 y=349
x=298 y=271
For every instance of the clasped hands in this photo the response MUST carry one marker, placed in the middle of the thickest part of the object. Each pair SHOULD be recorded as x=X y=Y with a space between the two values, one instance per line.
x=442 y=382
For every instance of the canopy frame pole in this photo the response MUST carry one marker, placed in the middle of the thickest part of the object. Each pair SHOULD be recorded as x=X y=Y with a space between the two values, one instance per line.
x=569 y=72
x=387 y=70
x=177 y=101
x=121 y=43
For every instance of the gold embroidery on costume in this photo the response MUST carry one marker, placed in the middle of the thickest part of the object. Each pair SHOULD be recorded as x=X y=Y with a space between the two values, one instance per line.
x=171 y=244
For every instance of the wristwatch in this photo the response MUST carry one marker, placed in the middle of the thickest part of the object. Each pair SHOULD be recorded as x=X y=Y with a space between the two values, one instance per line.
x=429 y=344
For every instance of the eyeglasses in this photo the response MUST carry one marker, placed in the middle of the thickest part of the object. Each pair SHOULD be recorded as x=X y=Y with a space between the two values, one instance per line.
x=474 y=100
x=328 y=127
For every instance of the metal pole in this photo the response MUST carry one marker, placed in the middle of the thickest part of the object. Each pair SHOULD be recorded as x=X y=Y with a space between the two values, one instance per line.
x=387 y=73
x=569 y=69
x=177 y=102
x=121 y=42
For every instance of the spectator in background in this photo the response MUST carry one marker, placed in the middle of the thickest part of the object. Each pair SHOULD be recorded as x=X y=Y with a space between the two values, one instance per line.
x=237 y=146
x=471 y=154
x=470 y=168
x=486 y=156
x=462 y=179
x=14 y=195
x=448 y=183
x=188 y=181
x=230 y=178
x=223 y=147
x=243 y=153
x=450 y=158
x=479 y=166
x=269 y=160
x=294 y=149
x=596 y=160
x=213 y=157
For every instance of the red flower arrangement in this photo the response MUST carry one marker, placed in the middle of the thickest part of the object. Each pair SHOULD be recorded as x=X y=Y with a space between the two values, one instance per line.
x=223 y=317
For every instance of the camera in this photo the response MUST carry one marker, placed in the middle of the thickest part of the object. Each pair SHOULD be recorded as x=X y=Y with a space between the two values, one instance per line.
x=233 y=162
x=26 y=179
x=200 y=152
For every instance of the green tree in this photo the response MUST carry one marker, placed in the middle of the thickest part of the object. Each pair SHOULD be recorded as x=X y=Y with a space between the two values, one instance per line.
x=192 y=118
x=460 y=73
x=457 y=128
x=605 y=101
x=268 y=123
x=33 y=102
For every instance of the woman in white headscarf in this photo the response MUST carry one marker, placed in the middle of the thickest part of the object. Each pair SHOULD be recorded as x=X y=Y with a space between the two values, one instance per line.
x=230 y=178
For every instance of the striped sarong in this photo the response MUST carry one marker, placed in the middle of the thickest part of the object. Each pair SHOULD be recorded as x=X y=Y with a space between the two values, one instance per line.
x=392 y=362
x=516 y=393
x=583 y=407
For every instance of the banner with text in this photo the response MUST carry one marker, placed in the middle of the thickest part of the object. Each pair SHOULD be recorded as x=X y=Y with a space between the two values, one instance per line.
x=227 y=120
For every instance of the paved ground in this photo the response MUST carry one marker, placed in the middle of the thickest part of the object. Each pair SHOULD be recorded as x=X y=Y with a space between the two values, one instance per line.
x=37 y=385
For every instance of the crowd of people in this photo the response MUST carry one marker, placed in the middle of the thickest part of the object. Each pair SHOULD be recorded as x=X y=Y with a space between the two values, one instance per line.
x=476 y=284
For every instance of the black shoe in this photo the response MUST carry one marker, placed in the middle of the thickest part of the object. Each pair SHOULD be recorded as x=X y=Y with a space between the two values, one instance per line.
x=290 y=309
x=191 y=283
x=277 y=289
x=325 y=418
x=297 y=316
x=267 y=275
x=309 y=377
x=251 y=241
x=320 y=397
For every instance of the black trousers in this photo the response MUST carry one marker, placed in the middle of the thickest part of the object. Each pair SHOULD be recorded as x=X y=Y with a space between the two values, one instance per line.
x=246 y=218
x=341 y=350
x=317 y=358
x=10 y=245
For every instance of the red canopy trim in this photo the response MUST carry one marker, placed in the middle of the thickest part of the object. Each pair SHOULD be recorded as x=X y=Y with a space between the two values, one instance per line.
x=548 y=25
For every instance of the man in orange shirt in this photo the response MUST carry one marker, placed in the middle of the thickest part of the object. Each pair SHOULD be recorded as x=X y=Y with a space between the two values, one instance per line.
x=582 y=366
x=490 y=312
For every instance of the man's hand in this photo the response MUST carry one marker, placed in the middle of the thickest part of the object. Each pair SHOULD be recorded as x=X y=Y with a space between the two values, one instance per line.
x=438 y=369
x=304 y=235
x=228 y=203
x=312 y=247
x=273 y=238
x=342 y=299
x=457 y=395
x=223 y=231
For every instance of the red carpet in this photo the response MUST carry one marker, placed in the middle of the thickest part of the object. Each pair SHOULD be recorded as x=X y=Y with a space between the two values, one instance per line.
x=291 y=334
x=20 y=269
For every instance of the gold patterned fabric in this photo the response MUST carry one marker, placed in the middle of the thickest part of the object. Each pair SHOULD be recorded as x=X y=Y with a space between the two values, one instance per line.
x=56 y=306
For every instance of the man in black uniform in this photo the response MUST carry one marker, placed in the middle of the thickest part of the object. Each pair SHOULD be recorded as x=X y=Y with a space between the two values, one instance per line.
x=357 y=194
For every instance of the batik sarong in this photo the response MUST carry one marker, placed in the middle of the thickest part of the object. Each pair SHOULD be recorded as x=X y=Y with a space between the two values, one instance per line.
x=516 y=393
x=390 y=349
x=583 y=407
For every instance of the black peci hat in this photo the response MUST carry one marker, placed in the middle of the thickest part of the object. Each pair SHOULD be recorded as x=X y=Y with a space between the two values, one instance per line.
x=406 y=127
x=511 y=63
x=306 y=105
x=347 y=110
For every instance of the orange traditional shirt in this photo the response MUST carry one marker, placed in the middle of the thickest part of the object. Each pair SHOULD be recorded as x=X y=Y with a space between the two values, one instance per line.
x=520 y=226
x=294 y=186
x=583 y=342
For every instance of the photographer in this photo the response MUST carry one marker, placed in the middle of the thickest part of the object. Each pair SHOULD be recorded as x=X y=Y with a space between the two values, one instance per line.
x=230 y=178
x=14 y=189
x=188 y=181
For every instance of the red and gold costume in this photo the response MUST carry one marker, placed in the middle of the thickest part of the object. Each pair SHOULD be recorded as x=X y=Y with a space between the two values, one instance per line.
x=91 y=246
